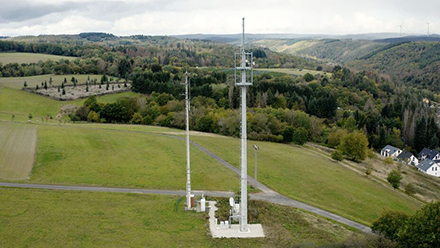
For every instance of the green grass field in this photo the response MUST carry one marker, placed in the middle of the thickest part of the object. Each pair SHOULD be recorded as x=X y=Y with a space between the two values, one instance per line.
x=18 y=82
x=129 y=127
x=304 y=175
x=22 y=103
x=294 y=71
x=74 y=155
x=44 y=218
x=17 y=150
x=20 y=58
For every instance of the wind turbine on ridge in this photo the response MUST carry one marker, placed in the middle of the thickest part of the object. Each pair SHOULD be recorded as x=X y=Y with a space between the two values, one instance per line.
x=401 y=29
x=427 y=23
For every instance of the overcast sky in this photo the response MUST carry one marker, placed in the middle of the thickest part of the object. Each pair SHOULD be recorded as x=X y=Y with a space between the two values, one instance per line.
x=167 y=17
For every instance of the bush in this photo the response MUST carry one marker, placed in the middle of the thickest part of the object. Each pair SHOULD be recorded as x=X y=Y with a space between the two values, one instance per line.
x=74 y=118
x=371 y=154
x=137 y=118
x=337 y=155
x=410 y=189
x=394 y=178
x=389 y=224
x=369 y=170
x=288 y=134
x=419 y=230
x=334 y=138
x=308 y=77
x=93 y=117
x=389 y=161
x=355 y=146
x=300 y=136
x=82 y=112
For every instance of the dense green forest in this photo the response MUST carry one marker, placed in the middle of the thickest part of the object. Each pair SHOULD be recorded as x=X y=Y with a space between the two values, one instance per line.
x=282 y=108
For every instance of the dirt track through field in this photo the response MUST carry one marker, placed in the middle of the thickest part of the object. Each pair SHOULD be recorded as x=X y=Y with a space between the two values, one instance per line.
x=17 y=150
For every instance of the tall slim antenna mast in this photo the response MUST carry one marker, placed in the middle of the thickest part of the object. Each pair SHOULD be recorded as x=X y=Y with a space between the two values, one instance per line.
x=188 y=164
x=245 y=64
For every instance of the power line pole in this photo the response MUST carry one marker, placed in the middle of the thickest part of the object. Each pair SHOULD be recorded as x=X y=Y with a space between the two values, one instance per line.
x=246 y=64
x=188 y=164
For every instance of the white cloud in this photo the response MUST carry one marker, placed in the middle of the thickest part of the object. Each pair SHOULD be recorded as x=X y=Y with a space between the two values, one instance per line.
x=124 y=17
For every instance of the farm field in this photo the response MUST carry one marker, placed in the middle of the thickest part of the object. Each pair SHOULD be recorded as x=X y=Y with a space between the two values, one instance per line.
x=17 y=82
x=17 y=149
x=304 y=175
x=20 y=58
x=21 y=102
x=294 y=71
x=75 y=155
x=44 y=218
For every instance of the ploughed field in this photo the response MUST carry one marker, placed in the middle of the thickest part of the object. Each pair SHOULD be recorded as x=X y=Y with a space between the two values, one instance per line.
x=17 y=150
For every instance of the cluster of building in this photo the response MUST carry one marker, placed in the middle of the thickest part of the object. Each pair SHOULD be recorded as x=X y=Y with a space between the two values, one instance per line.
x=427 y=161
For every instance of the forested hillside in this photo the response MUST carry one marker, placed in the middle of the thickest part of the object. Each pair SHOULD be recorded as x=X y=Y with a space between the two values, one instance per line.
x=104 y=53
x=408 y=62
x=416 y=63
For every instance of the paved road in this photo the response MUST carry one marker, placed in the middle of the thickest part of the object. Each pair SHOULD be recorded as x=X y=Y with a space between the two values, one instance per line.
x=116 y=190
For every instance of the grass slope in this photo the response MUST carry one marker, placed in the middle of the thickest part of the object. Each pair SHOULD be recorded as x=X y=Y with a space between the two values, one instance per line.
x=43 y=218
x=20 y=58
x=17 y=149
x=22 y=103
x=72 y=155
x=306 y=176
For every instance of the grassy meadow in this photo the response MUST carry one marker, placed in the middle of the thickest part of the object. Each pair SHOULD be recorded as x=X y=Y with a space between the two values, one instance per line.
x=14 y=101
x=45 y=218
x=91 y=156
x=21 y=58
x=306 y=176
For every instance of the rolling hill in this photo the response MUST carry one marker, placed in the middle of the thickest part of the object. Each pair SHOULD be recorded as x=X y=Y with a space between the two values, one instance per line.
x=330 y=50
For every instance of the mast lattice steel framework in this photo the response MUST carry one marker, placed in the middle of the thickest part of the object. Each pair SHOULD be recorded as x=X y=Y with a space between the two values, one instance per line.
x=243 y=70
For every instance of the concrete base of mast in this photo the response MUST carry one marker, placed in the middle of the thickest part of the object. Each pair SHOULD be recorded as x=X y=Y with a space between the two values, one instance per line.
x=224 y=231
